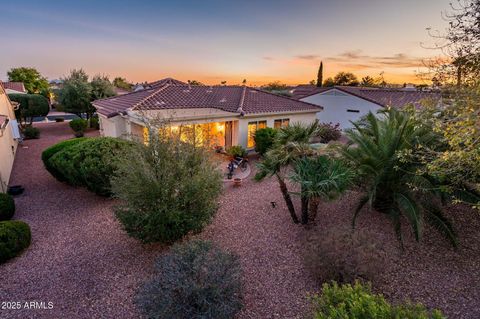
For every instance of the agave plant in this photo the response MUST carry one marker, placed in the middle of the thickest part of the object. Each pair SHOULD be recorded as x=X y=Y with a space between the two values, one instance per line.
x=321 y=178
x=393 y=185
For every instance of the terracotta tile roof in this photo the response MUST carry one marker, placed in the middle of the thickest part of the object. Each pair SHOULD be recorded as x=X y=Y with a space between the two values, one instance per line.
x=305 y=90
x=165 y=81
x=380 y=96
x=241 y=100
x=16 y=86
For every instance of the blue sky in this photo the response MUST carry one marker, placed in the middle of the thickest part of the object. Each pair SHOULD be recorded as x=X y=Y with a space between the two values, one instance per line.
x=213 y=41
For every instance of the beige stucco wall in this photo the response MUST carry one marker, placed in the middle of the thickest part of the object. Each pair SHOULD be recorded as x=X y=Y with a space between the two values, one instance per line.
x=8 y=145
x=115 y=126
x=119 y=126
x=305 y=118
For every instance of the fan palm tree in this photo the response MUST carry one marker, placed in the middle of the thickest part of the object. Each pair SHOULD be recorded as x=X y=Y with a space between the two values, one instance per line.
x=393 y=185
x=291 y=143
x=321 y=178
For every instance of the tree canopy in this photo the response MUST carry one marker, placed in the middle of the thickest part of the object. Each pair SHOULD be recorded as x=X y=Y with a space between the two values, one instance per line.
x=122 y=83
x=346 y=78
x=78 y=93
x=33 y=81
x=101 y=87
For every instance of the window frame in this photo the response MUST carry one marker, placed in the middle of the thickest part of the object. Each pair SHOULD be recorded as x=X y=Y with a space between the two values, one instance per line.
x=251 y=133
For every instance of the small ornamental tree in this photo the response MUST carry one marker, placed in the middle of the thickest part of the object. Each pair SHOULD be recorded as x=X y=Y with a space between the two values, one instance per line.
x=76 y=95
x=31 y=105
x=168 y=188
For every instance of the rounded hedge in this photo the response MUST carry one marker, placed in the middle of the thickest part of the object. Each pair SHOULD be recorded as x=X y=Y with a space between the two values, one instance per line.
x=7 y=206
x=52 y=150
x=15 y=236
x=193 y=280
x=31 y=132
x=89 y=163
x=78 y=125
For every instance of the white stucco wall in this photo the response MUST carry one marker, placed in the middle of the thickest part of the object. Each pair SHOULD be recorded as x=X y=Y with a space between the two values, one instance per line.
x=335 y=105
x=8 y=145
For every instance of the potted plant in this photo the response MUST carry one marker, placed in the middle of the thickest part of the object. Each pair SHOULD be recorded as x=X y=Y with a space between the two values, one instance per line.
x=237 y=151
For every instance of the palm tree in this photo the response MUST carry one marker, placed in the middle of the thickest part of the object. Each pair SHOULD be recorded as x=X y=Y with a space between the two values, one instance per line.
x=321 y=178
x=291 y=143
x=393 y=185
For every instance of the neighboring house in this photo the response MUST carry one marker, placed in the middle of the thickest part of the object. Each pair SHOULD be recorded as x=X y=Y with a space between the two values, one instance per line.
x=144 y=86
x=14 y=87
x=342 y=104
x=9 y=135
x=230 y=114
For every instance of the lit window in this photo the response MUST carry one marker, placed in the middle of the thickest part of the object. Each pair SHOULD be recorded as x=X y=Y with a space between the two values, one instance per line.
x=252 y=128
x=281 y=122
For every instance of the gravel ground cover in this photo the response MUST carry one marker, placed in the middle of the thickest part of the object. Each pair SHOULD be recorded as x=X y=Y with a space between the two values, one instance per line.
x=88 y=267
x=79 y=259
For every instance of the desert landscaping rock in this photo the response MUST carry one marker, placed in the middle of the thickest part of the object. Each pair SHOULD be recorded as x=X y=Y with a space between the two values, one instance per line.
x=85 y=264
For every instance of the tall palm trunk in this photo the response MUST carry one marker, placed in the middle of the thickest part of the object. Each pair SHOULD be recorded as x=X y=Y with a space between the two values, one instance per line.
x=312 y=214
x=304 y=200
x=287 y=198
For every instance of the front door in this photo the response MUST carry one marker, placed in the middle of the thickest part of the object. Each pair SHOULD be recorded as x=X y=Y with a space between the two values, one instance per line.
x=228 y=134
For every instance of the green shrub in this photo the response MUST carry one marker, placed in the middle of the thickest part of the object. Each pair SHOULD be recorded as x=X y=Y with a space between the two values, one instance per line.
x=237 y=150
x=30 y=132
x=7 y=206
x=52 y=150
x=95 y=123
x=14 y=237
x=168 y=188
x=358 y=302
x=343 y=255
x=78 y=126
x=193 y=280
x=328 y=132
x=31 y=105
x=89 y=163
x=264 y=139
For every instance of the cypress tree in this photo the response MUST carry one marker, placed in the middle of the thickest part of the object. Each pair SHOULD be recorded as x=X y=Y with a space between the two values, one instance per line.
x=320 y=75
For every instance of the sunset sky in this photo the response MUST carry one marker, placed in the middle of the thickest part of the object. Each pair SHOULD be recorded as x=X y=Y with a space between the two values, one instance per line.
x=211 y=41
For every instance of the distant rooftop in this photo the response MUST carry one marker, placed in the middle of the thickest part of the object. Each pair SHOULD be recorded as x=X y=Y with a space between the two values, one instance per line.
x=14 y=86
x=381 y=96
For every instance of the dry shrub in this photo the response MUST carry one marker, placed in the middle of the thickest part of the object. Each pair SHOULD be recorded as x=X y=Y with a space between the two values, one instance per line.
x=343 y=255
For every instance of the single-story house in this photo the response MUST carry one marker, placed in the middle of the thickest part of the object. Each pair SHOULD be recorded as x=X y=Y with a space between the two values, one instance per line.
x=14 y=87
x=9 y=136
x=229 y=114
x=342 y=104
